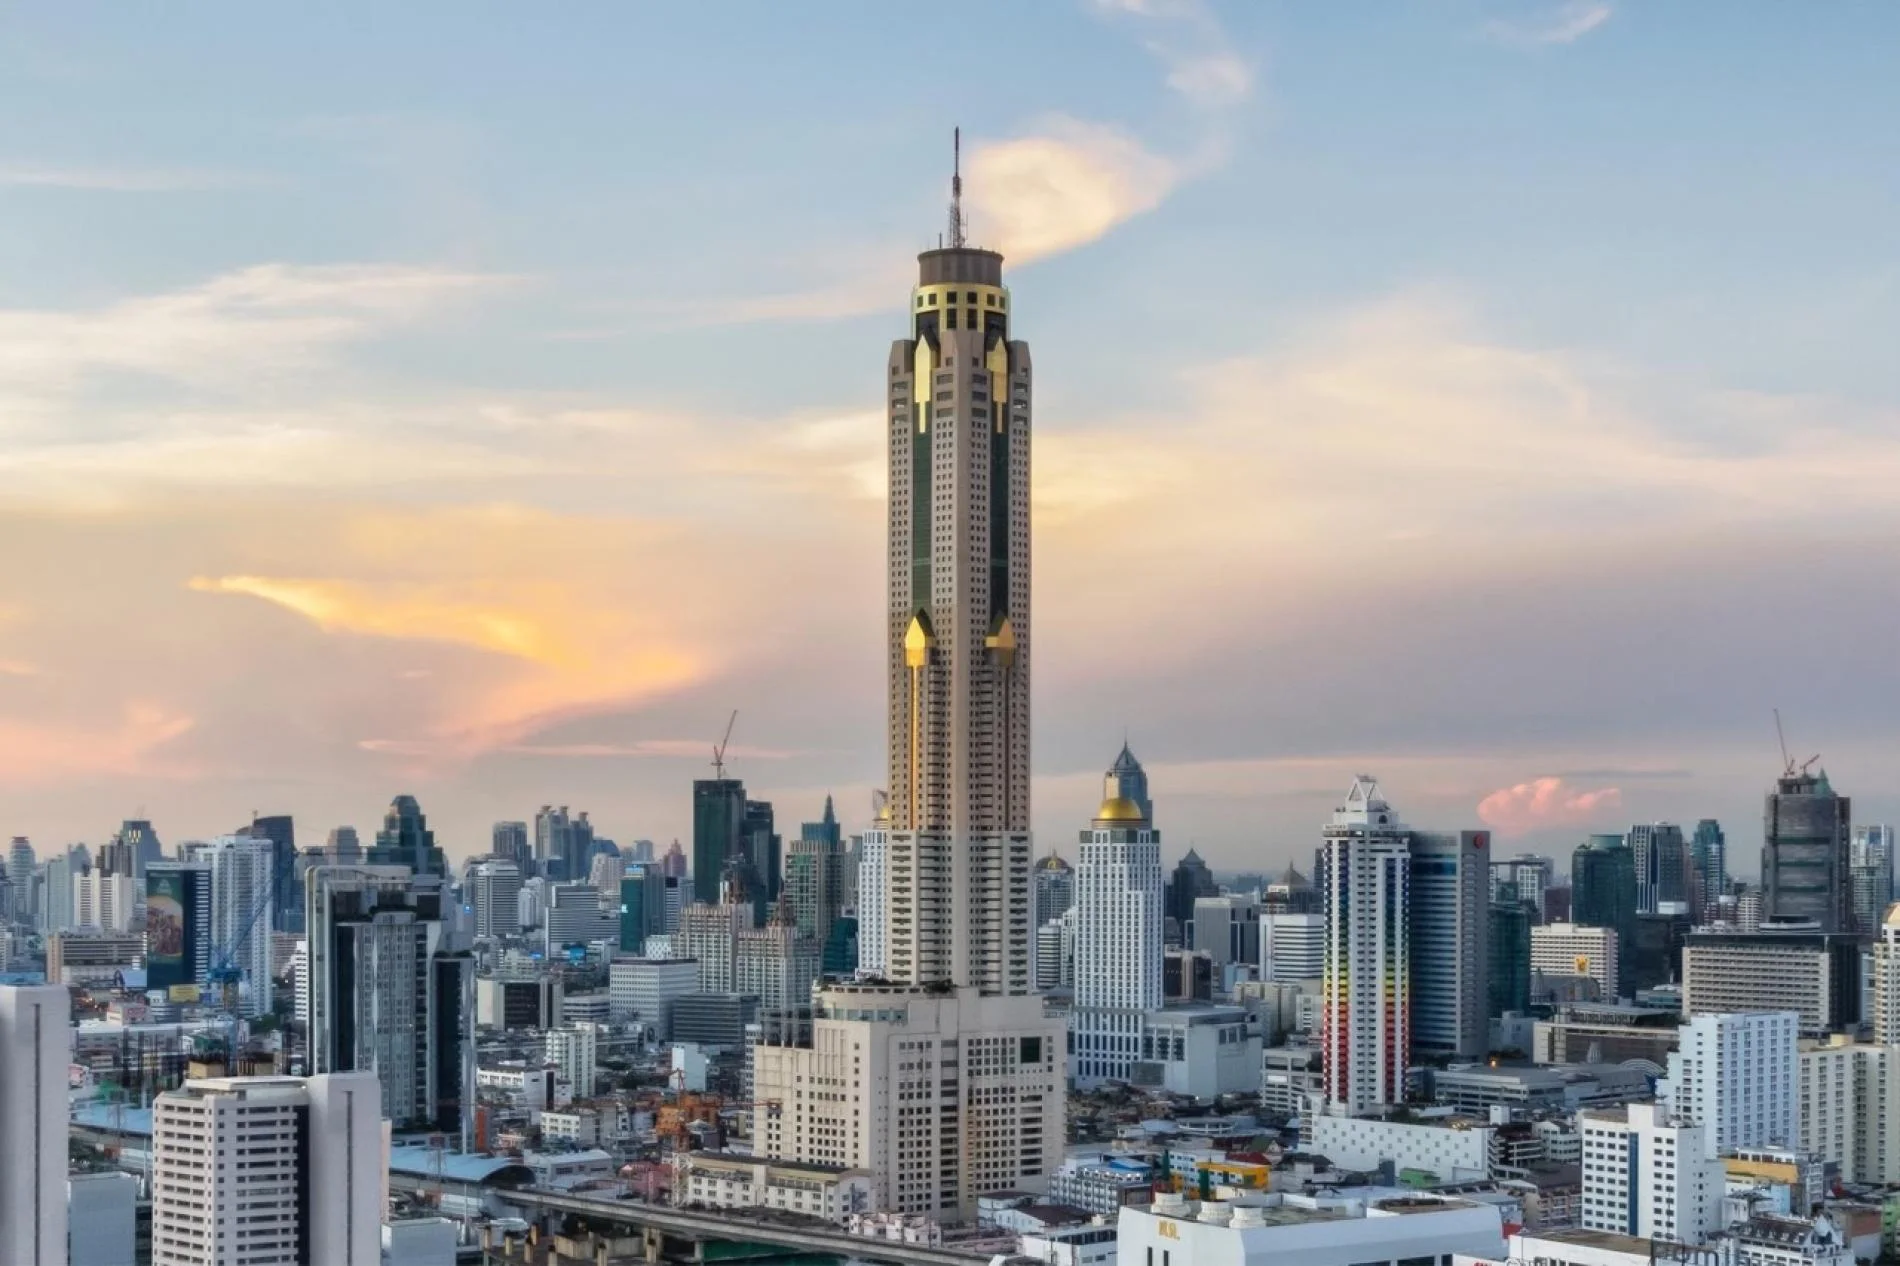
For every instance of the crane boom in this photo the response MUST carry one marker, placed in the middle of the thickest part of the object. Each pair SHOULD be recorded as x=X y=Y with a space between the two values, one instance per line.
x=1787 y=761
x=719 y=751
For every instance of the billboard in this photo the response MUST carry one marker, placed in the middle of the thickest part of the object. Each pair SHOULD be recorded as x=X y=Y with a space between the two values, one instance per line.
x=173 y=909
x=184 y=993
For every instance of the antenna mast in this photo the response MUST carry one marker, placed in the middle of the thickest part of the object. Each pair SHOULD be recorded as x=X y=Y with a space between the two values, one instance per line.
x=956 y=189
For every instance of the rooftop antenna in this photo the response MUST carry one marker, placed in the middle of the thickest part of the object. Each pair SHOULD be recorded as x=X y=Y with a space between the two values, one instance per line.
x=956 y=189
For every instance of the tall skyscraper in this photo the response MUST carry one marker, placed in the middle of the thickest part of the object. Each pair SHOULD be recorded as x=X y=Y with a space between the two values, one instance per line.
x=991 y=1114
x=177 y=923
x=1887 y=982
x=675 y=864
x=1366 y=994
x=718 y=819
x=255 y=1171
x=1804 y=853
x=563 y=843
x=146 y=847
x=391 y=994
x=1526 y=877
x=642 y=906
x=1662 y=866
x=1451 y=943
x=36 y=1053
x=287 y=901
x=814 y=876
x=1870 y=868
x=874 y=896
x=1118 y=923
x=57 y=895
x=21 y=864
x=1510 y=965
x=1127 y=780
x=764 y=849
x=1708 y=867
x=406 y=840
x=116 y=857
x=1190 y=881
x=510 y=840
x=242 y=916
x=1603 y=886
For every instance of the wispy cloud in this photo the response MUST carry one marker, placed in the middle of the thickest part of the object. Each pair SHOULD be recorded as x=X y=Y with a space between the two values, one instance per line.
x=121 y=179
x=1565 y=24
x=1063 y=186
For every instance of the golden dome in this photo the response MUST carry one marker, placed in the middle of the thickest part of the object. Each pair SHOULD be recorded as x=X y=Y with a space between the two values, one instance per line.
x=1119 y=809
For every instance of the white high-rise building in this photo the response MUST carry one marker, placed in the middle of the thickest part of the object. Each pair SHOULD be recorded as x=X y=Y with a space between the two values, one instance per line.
x=575 y=1050
x=241 y=914
x=1292 y=946
x=1570 y=949
x=1739 y=1077
x=642 y=990
x=776 y=964
x=964 y=1071
x=36 y=1052
x=1887 y=979
x=874 y=898
x=1850 y=1107
x=1118 y=939
x=107 y=902
x=268 y=1171
x=496 y=895
x=1365 y=880
x=1649 y=1175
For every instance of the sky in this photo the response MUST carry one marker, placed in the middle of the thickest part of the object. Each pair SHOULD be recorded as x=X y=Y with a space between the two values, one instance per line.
x=482 y=401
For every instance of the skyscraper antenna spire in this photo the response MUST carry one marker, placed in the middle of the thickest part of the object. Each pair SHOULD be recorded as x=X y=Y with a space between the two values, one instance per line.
x=956 y=188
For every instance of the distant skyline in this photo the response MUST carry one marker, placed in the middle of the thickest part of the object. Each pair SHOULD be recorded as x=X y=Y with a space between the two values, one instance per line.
x=481 y=403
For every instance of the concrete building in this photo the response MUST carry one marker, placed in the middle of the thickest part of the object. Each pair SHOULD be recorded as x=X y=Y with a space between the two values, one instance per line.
x=1365 y=875
x=1292 y=946
x=1568 y=949
x=874 y=898
x=269 y=1171
x=1227 y=929
x=495 y=892
x=517 y=1002
x=1609 y=1032
x=942 y=1094
x=36 y=1052
x=1118 y=939
x=1870 y=868
x=1886 y=991
x=1815 y=975
x=577 y=915
x=574 y=1050
x=713 y=1019
x=1738 y=1076
x=1454 y=1148
x=391 y=994
x=1805 y=852
x=777 y=964
x=721 y=1180
x=1662 y=867
x=709 y=934
x=1850 y=1107
x=85 y=958
x=642 y=990
x=1649 y=1175
x=814 y=876
x=1451 y=943
x=1347 y=1229
x=1199 y=1051
x=102 y=1218
x=1708 y=868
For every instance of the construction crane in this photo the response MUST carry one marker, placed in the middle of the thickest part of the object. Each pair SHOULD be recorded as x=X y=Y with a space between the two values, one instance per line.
x=719 y=751
x=1788 y=768
x=225 y=975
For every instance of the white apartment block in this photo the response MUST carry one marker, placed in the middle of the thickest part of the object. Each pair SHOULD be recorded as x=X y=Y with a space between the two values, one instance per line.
x=269 y=1171
x=1292 y=947
x=1118 y=941
x=574 y=1050
x=942 y=1094
x=1648 y=1175
x=107 y=902
x=36 y=1052
x=1739 y=1077
x=1850 y=1107
x=776 y=965
x=710 y=935
x=1887 y=979
x=721 y=1180
x=1567 y=949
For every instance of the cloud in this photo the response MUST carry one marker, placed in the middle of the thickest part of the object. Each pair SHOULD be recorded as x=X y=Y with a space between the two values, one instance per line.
x=694 y=749
x=118 y=179
x=1565 y=24
x=54 y=751
x=1061 y=187
x=1545 y=802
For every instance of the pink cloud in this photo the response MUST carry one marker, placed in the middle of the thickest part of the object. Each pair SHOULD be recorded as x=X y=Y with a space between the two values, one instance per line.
x=1544 y=802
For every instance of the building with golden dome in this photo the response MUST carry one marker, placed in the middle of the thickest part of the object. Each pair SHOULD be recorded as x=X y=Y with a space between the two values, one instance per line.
x=1118 y=930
